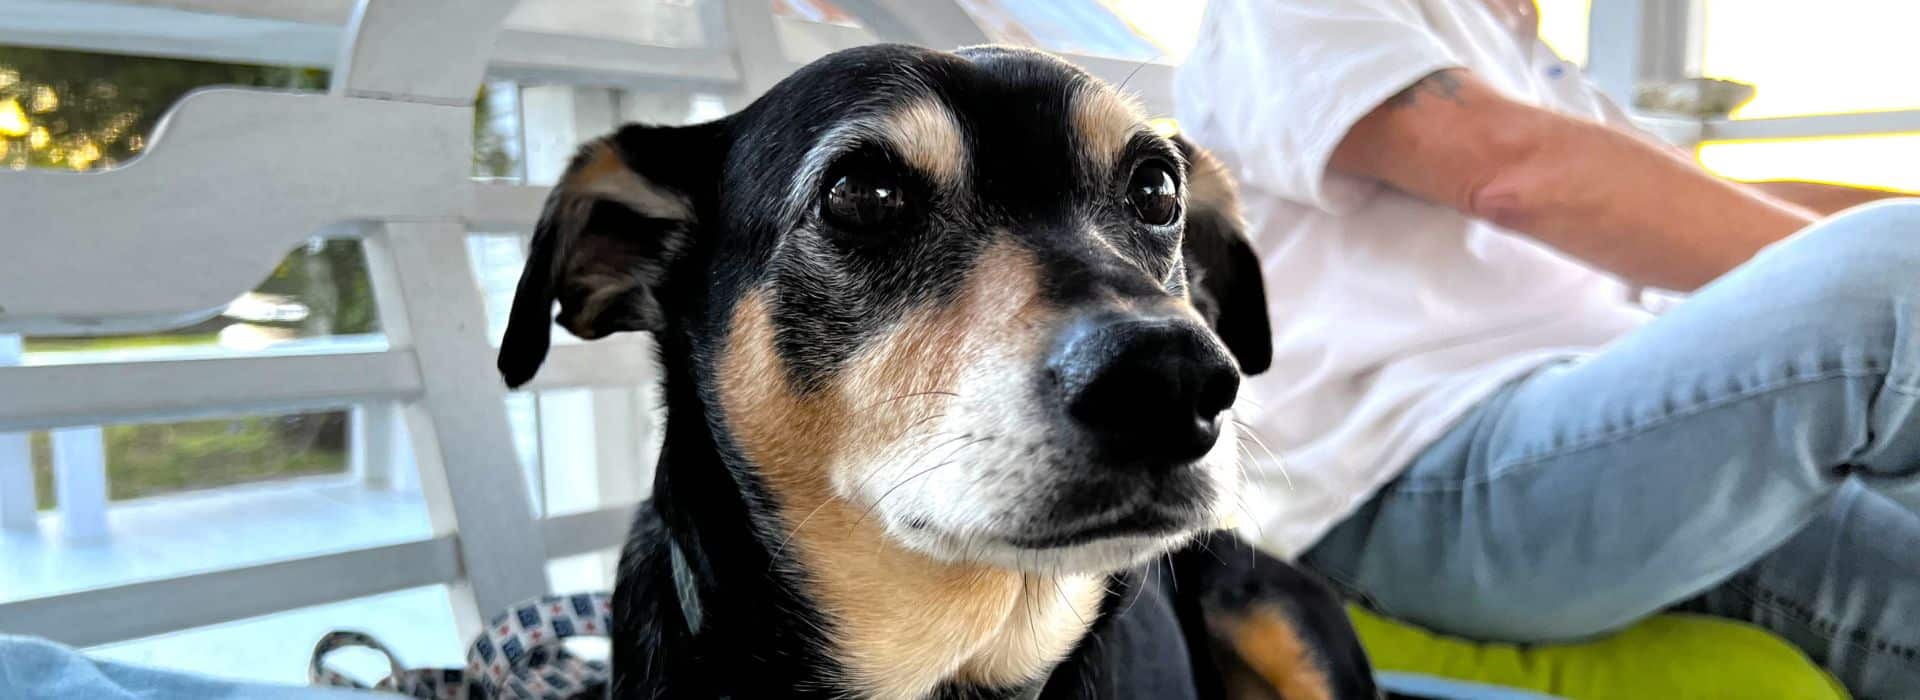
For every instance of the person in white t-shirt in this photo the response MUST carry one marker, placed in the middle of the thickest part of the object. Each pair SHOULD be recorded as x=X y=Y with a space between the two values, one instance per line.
x=1482 y=430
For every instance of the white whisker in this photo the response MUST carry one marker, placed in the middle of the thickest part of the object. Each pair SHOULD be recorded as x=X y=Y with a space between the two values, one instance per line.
x=1278 y=463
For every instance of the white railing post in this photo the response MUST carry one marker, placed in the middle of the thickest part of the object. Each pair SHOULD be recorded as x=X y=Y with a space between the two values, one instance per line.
x=18 y=510
x=626 y=443
x=557 y=119
x=1632 y=41
x=379 y=456
x=593 y=442
x=366 y=466
x=470 y=477
x=755 y=41
x=567 y=452
x=80 y=482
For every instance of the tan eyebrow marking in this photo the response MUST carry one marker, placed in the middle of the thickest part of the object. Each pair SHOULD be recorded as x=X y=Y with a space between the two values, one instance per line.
x=925 y=134
x=1105 y=120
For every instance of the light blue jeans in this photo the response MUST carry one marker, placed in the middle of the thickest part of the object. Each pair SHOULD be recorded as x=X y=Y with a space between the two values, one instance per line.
x=1754 y=453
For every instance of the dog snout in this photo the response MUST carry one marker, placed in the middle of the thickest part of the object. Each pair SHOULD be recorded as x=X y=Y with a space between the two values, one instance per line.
x=1146 y=390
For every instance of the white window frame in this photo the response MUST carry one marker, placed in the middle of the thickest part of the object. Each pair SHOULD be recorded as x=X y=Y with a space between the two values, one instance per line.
x=1632 y=41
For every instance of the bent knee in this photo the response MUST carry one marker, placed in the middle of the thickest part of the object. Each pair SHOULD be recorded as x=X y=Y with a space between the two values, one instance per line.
x=1867 y=259
x=1871 y=238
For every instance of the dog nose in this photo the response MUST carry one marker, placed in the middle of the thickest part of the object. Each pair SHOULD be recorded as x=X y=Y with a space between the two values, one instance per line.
x=1148 y=390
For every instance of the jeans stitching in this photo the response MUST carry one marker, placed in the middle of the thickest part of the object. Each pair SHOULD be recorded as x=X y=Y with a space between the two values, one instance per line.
x=1771 y=600
x=1506 y=469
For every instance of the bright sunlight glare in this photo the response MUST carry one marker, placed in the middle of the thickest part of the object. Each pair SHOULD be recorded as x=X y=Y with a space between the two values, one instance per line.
x=1838 y=56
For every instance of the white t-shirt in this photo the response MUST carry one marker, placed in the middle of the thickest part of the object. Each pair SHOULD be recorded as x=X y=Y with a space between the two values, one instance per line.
x=1391 y=316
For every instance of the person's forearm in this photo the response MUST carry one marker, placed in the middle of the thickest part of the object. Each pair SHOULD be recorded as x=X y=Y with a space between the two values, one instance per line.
x=1823 y=198
x=1631 y=208
x=1625 y=204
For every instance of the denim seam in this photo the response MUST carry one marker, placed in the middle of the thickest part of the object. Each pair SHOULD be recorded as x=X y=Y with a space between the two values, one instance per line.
x=1766 y=598
x=1506 y=469
x=1345 y=584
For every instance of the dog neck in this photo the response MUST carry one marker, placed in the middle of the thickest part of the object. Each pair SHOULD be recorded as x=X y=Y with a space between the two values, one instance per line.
x=904 y=624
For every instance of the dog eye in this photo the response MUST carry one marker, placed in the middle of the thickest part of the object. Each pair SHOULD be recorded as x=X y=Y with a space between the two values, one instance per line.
x=864 y=202
x=1154 y=195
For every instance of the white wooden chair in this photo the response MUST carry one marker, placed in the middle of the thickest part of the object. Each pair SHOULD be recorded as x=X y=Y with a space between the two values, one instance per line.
x=236 y=178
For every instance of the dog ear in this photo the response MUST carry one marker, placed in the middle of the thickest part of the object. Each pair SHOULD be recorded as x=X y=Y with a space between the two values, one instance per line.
x=621 y=217
x=1223 y=272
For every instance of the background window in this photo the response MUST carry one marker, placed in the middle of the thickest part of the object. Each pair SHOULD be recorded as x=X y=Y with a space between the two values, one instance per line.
x=1815 y=57
x=1839 y=57
x=1172 y=27
x=1875 y=161
x=1110 y=28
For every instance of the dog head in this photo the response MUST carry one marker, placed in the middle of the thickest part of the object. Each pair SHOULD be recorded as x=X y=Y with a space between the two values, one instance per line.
x=972 y=296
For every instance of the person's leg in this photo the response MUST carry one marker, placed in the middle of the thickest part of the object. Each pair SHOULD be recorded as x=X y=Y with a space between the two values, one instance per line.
x=1595 y=492
x=1827 y=590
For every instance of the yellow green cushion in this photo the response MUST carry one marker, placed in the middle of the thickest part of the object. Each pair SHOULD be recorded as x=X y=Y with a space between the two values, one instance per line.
x=1666 y=656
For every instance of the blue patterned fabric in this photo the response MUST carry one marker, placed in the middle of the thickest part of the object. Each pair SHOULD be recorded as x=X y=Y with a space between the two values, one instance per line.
x=521 y=656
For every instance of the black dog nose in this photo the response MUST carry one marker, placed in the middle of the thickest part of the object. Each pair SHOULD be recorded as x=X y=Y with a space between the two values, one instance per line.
x=1147 y=390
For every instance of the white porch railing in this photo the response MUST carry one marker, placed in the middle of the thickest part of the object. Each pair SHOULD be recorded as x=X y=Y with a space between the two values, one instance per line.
x=378 y=454
x=384 y=157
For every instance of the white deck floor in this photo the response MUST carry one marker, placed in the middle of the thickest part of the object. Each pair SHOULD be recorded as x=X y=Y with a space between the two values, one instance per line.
x=193 y=532
x=208 y=530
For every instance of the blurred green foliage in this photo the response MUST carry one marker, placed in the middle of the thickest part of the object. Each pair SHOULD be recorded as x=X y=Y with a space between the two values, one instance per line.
x=97 y=110
x=152 y=459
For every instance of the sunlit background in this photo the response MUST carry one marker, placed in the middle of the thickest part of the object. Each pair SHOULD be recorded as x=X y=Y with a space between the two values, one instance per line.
x=1830 y=57
x=62 y=110
x=92 y=108
x=1833 y=57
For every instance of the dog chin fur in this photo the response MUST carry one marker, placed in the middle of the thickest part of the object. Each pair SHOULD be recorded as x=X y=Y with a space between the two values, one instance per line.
x=1101 y=557
x=965 y=531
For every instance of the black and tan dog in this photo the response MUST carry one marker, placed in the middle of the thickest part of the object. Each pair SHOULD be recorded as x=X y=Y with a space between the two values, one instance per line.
x=950 y=344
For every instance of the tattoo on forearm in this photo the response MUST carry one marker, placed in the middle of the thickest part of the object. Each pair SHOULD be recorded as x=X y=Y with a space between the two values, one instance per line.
x=1443 y=84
